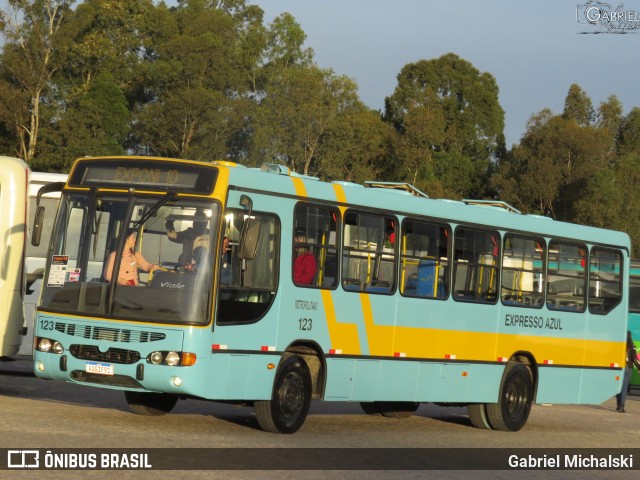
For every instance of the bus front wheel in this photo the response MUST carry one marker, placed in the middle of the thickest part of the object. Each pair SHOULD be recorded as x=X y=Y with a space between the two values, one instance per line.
x=290 y=399
x=515 y=399
x=150 y=403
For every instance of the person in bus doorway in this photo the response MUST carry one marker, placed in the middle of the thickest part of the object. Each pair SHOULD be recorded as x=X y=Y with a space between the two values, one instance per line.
x=304 y=265
x=225 y=262
x=632 y=358
x=191 y=238
x=130 y=263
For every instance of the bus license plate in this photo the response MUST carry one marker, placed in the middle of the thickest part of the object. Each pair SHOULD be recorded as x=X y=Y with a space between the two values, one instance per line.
x=99 y=368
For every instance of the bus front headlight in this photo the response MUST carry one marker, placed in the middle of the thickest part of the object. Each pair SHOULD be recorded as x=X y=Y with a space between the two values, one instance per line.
x=156 y=358
x=172 y=359
x=44 y=345
x=49 y=346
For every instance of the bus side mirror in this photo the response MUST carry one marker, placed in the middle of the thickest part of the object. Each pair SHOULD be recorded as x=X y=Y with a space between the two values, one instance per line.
x=250 y=231
x=38 y=222
x=249 y=241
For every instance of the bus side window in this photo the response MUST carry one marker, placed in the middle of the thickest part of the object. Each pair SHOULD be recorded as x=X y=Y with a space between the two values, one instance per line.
x=424 y=259
x=475 y=264
x=605 y=280
x=566 y=279
x=522 y=272
x=314 y=249
x=369 y=254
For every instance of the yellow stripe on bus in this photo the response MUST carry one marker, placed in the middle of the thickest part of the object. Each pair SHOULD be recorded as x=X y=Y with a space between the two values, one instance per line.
x=298 y=184
x=344 y=336
x=431 y=343
x=380 y=337
x=341 y=196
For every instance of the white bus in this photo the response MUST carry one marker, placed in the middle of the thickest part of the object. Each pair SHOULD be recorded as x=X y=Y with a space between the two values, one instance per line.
x=21 y=263
x=14 y=175
x=35 y=256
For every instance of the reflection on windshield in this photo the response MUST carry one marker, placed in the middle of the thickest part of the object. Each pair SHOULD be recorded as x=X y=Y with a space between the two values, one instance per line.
x=132 y=258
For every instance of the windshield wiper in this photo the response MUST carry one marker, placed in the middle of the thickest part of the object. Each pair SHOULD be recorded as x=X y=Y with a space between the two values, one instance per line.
x=152 y=211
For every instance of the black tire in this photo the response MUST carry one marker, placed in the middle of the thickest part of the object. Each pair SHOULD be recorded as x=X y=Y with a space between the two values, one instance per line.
x=397 y=409
x=514 y=402
x=149 y=403
x=478 y=415
x=370 y=408
x=290 y=399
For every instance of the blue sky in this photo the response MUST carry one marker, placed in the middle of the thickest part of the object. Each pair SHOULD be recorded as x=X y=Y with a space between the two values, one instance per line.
x=534 y=49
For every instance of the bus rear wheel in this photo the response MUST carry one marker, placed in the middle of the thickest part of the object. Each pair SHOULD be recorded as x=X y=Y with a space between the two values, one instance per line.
x=515 y=399
x=478 y=415
x=150 y=403
x=290 y=399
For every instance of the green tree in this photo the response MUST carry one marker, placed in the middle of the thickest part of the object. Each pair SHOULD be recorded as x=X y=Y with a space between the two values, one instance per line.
x=602 y=201
x=611 y=199
x=609 y=116
x=627 y=175
x=197 y=80
x=549 y=169
x=108 y=35
x=31 y=31
x=528 y=178
x=301 y=107
x=284 y=47
x=356 y=147
x=422 y=129
x=97 y=122
x=578 y=106
x=14 y=114
x=445 y=106
x=629 y=136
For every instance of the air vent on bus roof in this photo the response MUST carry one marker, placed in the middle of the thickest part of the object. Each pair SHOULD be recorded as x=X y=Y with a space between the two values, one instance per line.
x=275 y=168
x=492 y=203
x=397 y=186
x=284 y=170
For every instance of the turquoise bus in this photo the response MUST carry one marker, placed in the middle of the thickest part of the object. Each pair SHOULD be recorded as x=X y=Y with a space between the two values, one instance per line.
x=634 y=317
x=175 y=279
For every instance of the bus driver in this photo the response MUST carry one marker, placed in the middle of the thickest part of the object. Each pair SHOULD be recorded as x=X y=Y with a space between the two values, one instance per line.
x=130 y=263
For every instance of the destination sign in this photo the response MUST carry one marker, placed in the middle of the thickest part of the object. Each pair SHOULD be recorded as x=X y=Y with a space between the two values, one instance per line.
x=146 y=174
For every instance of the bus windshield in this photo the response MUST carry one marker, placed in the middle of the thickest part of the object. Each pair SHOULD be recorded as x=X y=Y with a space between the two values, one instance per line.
x=142 y=258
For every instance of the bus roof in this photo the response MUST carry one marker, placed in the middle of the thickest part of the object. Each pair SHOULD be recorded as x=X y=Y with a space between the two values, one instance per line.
x=404 y=202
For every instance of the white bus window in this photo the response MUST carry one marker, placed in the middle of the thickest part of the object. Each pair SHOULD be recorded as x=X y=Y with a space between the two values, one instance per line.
x=605 y=280
x=475 y=263
x=522 y=272
x=566 y=279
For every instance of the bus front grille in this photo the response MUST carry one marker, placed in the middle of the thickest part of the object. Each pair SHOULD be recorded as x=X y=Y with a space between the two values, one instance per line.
x=113 y=355
x=110 y=334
